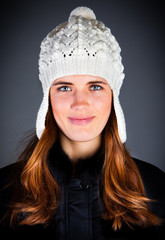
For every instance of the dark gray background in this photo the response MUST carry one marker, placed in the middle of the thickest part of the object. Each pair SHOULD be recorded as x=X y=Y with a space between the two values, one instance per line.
x=137 y=26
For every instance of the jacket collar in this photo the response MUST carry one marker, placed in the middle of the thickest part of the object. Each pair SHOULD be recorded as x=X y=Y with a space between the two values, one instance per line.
x=61 y=167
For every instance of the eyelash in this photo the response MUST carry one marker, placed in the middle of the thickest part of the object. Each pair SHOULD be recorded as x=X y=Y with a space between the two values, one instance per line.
x=98 y=86
x=59 y=89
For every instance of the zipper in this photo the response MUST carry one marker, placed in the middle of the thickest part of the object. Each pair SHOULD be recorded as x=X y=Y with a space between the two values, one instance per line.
x=66 y=214
x=77 y=186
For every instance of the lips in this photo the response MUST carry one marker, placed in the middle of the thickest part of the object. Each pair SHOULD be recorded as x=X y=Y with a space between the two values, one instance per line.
x=81 y=121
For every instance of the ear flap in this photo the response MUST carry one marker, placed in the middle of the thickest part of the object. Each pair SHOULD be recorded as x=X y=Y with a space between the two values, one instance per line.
x=41 y=116
x=120 y=117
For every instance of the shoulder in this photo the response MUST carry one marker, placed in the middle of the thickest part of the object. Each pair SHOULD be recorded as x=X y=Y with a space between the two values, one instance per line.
x=7 y=183
x=147 y=169
x=150 y=173
x=154 y=183
x=6 y=175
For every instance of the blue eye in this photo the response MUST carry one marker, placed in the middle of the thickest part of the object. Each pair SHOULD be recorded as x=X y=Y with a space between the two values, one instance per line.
x=64 y=89
x=95 y=87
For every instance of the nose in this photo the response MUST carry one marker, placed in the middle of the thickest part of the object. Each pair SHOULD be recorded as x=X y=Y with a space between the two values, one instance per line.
x=80 y=100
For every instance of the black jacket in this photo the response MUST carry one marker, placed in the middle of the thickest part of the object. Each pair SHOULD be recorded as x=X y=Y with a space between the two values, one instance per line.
x=79 y=215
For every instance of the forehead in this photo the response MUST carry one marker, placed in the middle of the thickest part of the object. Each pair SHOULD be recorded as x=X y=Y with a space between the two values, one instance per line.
x=85 y=78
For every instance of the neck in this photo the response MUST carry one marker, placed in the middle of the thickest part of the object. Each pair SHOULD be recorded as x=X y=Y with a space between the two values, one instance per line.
x=76 y=150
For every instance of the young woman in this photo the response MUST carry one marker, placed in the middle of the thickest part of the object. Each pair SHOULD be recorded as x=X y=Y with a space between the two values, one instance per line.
x=75 y=179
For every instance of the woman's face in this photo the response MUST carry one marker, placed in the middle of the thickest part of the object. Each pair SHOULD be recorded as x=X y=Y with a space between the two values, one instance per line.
x=81 y=106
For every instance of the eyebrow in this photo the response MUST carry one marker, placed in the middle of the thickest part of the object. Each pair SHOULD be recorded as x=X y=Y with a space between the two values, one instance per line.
x=95 y=82
x=62 y=83
x=69 y=83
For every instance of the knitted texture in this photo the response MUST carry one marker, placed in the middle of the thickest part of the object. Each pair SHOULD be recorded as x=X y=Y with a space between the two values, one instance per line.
x=83 y=45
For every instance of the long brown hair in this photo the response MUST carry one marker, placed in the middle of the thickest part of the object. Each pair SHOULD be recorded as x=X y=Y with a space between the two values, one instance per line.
x=37 y=194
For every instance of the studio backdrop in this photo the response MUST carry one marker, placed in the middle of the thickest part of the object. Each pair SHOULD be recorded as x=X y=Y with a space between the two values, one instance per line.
x=137 y=26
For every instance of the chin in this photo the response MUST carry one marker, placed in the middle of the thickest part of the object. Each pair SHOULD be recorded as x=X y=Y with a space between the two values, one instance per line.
x=82 y=137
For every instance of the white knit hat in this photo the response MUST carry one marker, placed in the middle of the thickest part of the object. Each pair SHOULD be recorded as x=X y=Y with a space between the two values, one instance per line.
x=83 y=45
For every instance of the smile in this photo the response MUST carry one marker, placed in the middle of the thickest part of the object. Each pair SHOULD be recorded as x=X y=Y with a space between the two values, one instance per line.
x=81 y=121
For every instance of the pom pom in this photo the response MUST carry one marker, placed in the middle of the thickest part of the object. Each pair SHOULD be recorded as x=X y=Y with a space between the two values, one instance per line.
x=84 y=12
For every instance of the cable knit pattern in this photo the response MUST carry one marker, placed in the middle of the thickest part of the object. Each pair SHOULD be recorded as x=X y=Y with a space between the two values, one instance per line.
x=83 y=45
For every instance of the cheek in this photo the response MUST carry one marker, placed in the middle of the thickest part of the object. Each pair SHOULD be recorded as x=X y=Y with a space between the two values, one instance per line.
x=58 y=105
x=103 y=105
